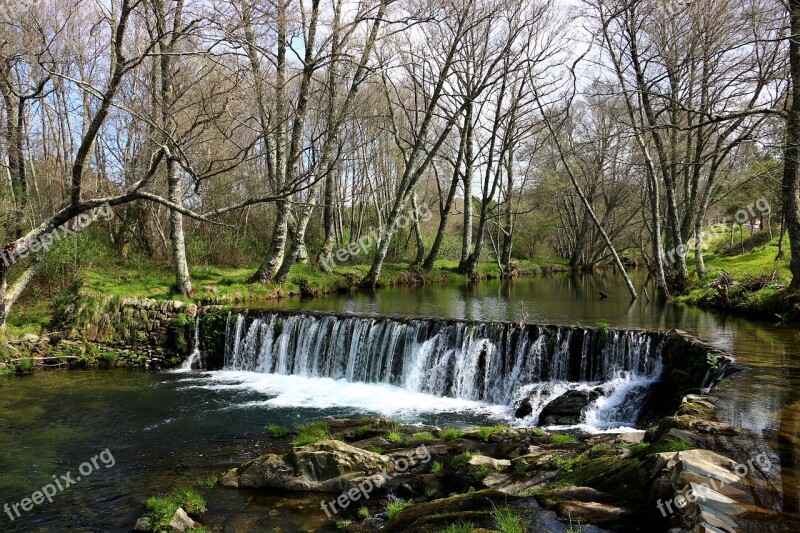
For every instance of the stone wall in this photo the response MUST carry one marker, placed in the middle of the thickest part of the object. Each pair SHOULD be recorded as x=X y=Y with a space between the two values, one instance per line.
x=110 y=332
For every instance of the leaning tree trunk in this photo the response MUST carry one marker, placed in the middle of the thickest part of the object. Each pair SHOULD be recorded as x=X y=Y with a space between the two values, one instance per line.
x=791 y=180
x=417 y=232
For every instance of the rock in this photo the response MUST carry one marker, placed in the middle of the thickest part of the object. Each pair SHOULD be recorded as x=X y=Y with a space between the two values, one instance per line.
x=594 y=513
x=328 y=466
x=524 y=409
x=581 y=494
x=423 y=517
x=181 y=521
x=477 y=461
x=631 y=437
x=568 y=408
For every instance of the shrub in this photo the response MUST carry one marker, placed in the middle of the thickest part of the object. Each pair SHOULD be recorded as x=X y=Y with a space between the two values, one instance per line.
x=25 y=364
x=310 y=433
x=392 y=508
x=451 y=434
x=276 y=431
x=507 y=521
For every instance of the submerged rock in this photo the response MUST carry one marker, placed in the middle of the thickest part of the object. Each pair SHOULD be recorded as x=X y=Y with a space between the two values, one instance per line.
x=327 y=466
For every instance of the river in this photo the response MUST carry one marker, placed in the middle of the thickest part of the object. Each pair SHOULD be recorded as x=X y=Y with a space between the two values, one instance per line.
x=168 y=428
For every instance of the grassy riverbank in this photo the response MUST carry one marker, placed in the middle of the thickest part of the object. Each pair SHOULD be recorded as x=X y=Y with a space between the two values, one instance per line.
x=744 y=278
x=214 y=285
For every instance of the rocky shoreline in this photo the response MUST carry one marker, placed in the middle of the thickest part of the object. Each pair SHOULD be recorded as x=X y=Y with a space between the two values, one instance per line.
x=687 y=473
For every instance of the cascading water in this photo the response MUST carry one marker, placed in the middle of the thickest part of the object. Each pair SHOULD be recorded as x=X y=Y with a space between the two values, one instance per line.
x=194 y=358
x=495 y=363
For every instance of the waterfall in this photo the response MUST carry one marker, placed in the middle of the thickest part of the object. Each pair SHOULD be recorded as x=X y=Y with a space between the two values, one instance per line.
x=496 y=363
x=194 y=358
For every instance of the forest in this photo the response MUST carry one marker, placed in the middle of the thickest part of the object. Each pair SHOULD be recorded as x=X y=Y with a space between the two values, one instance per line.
x=264 y=134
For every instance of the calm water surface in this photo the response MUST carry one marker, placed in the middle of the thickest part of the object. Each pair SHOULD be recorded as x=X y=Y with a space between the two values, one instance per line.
x=165 y=429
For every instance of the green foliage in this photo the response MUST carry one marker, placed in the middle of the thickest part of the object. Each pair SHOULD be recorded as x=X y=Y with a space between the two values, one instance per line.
x=567 y=464
x=520 y=468
x=539 y=432
x=159 y=512
x=436 y=467
x=395 y=438
x=210 y=481
x=672 y=445
x=363 y=512
x=277 y=431
x=191 y=500
x=562 y=438
x=422 y=437
x=25 y=364
x=459 y=527
x=311 y=433
x=376 y=449
x=507 y=521
x=451 y=434
x=343 y=523
x=392 y=508
x=602 y=330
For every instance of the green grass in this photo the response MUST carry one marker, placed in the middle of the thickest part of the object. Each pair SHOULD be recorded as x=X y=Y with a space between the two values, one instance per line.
x=392 y=508
x=231 y=285
x=191 y=500
x=277 y=431
x=210 y=481
x=159 y=510
x=311 y=433
x=363 y=512
x=395 y=438
x=343 y=523
x=436 y=467
x=758 y=261
x=422 y=437
x=459 y=527
x=507 y=521
x=641 y=449
x=451 y=434
x=562 y=438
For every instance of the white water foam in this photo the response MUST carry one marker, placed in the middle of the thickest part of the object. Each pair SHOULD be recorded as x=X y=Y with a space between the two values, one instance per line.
x=320 y=393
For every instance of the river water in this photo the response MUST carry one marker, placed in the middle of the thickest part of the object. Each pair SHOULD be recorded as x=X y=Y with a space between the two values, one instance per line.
x=164 y=429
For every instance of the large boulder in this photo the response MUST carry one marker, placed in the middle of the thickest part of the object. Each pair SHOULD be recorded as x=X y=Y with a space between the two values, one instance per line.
x=326 y=466
x=568 y=408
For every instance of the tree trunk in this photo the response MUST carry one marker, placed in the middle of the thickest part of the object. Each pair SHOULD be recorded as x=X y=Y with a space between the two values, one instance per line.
x=791 y=180
x=466 y=233
x=277 y=247
x=183 y=284
x=417 y=232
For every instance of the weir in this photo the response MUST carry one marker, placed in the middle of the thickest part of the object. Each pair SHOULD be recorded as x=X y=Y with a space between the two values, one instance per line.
x=494 y=362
